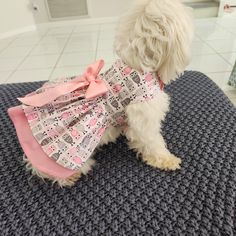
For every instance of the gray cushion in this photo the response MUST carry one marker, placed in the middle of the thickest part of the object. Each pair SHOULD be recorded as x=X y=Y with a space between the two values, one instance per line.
x=122 y=195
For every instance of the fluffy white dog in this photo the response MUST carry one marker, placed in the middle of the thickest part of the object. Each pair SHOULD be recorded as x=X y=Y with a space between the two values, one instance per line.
x=154 y=36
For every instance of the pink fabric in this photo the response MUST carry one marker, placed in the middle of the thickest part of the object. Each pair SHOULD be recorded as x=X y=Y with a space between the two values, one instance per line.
x=68 y=129
x=90 y=78
x=33 y=150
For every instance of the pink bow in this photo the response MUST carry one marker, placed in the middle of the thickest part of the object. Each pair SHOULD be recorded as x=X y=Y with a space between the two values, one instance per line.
x=90 y=78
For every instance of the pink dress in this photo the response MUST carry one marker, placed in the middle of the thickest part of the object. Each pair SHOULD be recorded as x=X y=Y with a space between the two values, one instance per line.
x=60 y=124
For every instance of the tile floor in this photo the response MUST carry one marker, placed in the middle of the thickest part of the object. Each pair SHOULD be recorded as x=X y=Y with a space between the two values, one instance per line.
x=57 y=51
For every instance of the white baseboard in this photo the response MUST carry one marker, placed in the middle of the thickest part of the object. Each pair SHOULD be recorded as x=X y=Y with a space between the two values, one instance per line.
x=18 y=31
x=81 y=21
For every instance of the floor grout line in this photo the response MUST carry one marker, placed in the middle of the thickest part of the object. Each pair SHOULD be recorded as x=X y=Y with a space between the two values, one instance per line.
x=225 y=60
x=23 y=60
x=218 y=53
x=2 y=50
x=96 y=51
x=98 y=38
x=62 y=52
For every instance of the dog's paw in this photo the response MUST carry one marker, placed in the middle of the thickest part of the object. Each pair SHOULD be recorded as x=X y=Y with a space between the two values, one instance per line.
x=164 y=162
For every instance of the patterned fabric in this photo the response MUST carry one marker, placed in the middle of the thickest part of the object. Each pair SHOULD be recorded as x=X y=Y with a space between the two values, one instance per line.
x=122 y=195
x=70 y=127
x=232 y=80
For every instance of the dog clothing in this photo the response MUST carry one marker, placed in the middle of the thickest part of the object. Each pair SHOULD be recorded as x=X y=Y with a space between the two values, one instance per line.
x=64 y=120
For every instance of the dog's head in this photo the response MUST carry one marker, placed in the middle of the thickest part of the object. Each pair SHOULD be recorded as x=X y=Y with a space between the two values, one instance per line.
x=155 y=36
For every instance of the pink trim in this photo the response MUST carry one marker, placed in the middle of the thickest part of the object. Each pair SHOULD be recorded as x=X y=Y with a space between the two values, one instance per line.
x=32 y=149
x=90 y=78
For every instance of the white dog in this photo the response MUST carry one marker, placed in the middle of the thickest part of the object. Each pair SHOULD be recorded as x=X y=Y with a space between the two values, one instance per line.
x=153 y=37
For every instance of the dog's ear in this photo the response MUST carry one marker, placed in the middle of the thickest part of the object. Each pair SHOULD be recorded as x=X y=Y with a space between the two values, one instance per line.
x=155 y=36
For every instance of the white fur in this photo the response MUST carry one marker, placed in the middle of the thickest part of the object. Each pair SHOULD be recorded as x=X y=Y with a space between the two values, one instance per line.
x=144 y=132
x=110 y=135
x=154 y=36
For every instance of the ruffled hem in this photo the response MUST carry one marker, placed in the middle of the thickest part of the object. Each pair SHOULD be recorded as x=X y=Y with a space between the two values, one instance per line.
x=33 y=150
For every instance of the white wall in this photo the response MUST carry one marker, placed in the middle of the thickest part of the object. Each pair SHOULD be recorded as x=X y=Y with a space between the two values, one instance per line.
x=108 y=8
x=221 y=10
x=14 y=15
x=40 y=16
x=97 y=8
x=17 y=16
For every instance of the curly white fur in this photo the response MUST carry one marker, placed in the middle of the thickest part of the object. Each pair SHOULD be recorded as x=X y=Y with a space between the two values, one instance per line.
x=154 y=36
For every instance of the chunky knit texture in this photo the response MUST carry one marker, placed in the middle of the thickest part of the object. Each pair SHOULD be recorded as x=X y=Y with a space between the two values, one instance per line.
x=122 y=195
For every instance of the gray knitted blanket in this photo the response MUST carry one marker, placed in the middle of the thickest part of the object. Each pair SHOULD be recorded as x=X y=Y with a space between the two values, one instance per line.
x=122 y=195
